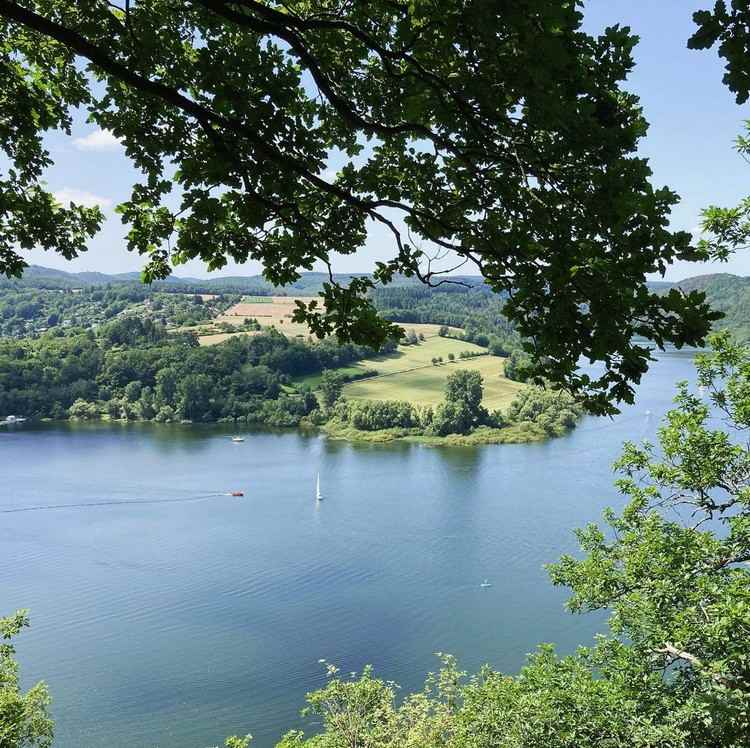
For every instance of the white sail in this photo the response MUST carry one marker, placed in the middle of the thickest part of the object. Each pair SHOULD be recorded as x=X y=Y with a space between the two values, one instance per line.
x=318 y=495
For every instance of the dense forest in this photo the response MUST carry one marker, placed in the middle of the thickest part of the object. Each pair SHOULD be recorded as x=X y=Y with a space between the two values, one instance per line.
x=134 y=369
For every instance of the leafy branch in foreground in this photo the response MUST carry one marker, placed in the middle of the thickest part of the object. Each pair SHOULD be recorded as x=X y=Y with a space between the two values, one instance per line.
x=673 y=567
x=24 y=722
x=727 y=229
x=493 y=132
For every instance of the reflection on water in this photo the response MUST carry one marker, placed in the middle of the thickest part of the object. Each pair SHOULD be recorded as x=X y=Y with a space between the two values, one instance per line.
x=177 y=623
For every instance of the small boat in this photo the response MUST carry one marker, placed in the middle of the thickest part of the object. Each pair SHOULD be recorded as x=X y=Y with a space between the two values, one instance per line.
x=238 y=438
x=11 y=420
x=237 y=493
x=486 y=583
x=318 y=495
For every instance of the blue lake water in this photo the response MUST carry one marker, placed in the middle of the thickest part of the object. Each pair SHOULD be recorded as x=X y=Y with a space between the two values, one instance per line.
x=176 y=623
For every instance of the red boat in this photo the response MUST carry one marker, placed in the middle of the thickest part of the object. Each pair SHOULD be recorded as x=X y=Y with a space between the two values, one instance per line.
x=237 y=493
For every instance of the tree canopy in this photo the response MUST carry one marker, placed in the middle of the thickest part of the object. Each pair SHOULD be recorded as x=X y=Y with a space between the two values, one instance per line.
x=727 y=229
x=24 y=719
x=494 y=131
x=729 y=27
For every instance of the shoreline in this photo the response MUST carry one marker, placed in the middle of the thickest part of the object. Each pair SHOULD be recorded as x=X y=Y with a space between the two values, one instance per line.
x=521 y=433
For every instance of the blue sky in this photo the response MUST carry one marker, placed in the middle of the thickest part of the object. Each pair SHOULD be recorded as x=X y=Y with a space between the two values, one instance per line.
x=693 y=117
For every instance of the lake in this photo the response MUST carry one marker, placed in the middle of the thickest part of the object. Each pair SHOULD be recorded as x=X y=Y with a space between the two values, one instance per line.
x=189 y=615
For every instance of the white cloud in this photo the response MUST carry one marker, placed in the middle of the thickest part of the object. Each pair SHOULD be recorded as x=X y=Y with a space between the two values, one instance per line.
x=99 y=140
x=81 y=197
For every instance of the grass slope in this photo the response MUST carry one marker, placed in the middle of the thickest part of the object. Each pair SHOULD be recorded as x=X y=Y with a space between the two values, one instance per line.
x=409 y=374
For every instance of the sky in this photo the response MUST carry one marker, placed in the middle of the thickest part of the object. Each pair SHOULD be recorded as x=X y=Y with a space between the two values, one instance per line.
x=693 y=116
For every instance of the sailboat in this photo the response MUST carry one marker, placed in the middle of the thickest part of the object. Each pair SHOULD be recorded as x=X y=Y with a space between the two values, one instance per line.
x=318 y=495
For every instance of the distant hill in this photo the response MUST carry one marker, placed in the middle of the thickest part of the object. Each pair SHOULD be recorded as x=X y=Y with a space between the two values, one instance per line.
x=36 y=276
x=729 y=294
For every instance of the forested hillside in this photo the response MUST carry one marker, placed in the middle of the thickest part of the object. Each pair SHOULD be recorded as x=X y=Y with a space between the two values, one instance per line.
x=728 y=294
x=405 y=300
x=135 y=369
x=29 y=311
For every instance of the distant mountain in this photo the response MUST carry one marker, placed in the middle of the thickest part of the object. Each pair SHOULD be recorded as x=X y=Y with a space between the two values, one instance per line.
x=715 y=283
x=36 y=276
x=41 y=277
x=729 y=294
x=659 y=285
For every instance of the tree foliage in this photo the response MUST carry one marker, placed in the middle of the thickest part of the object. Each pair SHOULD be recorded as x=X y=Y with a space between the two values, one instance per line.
x=672 y=567
x=729 y=27
x=728 y=229
x=24 y=720
x=495 y=130
x=462 y=411
x=331 y=387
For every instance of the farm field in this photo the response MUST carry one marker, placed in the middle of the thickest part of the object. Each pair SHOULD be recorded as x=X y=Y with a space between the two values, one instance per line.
x=270 y=311
x=414 y=356
x=276 y=311
x=405 y=358
x=427 y=329
x=220 y=337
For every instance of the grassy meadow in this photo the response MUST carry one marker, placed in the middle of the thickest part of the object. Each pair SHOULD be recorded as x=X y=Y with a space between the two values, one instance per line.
x=426 y=385
x=408 y=374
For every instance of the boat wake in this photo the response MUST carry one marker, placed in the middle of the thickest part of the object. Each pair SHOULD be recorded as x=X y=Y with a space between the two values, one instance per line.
x=112 y=502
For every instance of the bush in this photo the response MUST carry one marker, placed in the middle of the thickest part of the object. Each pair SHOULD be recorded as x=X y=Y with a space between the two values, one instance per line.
x=81 y=410
x=552 y=410
x=383 y=414
x=166 y=414
x=452 y=418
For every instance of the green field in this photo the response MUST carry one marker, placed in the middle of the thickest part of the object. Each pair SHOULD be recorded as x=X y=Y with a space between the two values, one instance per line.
x=410 y=375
